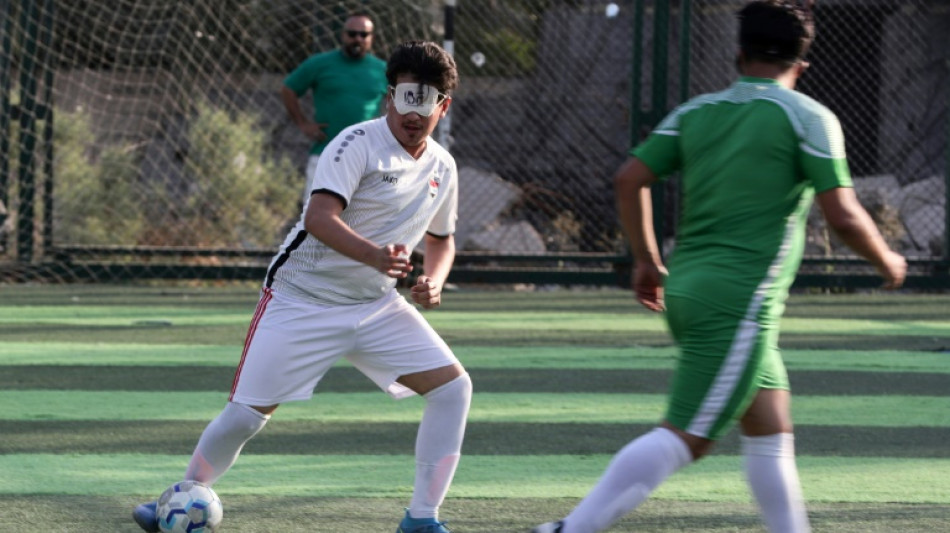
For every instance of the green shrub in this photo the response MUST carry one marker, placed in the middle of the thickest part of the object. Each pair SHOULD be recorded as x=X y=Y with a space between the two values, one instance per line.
x=237 y=194
x=94 y=193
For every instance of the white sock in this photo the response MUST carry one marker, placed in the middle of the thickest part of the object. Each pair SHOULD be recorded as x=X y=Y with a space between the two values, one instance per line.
x=222 y=441
x=439 y=445
x=773 y=477
x=631 y=476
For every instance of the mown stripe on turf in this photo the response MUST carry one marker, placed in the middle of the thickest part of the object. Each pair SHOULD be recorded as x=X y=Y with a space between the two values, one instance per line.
x=584 y=357
x=717 y=478
x=257 y=512
x=80 y=353
x=122 y=315
x=505 y=320
x=173 y=316
x=234 y=334
x=895 y=306
x=40 y=405
x=485 y=438
x=231 y=295
x=348 y=379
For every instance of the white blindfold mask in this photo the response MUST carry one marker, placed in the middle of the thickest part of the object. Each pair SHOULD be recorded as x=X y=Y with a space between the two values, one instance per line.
x=416 y=97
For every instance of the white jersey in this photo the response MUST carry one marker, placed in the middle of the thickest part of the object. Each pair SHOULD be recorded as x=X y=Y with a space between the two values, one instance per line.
x=389 y=198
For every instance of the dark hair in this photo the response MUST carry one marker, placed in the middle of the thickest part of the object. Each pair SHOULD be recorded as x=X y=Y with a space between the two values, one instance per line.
x=359 y=13
x=427 y=61
x=776 y=31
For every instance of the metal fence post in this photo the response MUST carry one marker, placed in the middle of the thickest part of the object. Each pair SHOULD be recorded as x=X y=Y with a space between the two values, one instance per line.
x=46 y=41
x=661 y=26
x=448 y=43
x=27 y=170
x=636 y=114
x=685 y=14
x=6 y=49
x=946 y=174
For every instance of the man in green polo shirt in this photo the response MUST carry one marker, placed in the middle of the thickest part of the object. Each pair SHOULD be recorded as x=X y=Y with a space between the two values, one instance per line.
x=347 y=85
x=753 y=158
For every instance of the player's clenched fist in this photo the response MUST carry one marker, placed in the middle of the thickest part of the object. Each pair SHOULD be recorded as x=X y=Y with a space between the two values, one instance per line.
x=893 y=267
x=393 y=260
x=426 y=292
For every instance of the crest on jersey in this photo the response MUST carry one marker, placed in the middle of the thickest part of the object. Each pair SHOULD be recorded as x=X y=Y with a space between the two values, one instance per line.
x=434 y=183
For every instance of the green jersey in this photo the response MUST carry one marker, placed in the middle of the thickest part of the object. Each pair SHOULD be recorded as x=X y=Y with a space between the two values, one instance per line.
x=752 y=158
x=345 y=90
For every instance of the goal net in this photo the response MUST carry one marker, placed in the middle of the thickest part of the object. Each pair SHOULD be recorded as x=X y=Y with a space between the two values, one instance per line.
x=152 y=132
x=147 y=138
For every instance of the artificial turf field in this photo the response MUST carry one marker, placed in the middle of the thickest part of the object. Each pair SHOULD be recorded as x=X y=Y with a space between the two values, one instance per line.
x=105 y=390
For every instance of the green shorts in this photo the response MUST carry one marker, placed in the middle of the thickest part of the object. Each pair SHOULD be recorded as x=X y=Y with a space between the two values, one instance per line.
x=724 y=360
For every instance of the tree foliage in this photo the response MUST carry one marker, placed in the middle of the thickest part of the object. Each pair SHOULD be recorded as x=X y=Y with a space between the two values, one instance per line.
x=95 y=192
x=237 y=194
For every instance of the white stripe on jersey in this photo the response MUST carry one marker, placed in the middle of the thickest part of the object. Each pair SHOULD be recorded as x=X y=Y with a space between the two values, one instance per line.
x=391 y=198
x=727 y=380
x=817 y=127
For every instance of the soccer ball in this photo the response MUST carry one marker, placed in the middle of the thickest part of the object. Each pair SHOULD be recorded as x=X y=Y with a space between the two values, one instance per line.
x=189 y=507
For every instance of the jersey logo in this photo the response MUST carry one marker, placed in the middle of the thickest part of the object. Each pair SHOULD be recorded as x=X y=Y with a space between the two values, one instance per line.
x=390 y=179
x=345 y=143
x=434 y=182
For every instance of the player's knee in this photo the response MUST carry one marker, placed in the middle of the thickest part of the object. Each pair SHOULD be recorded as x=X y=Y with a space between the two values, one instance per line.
x=456 y=390
x=265 y=410
x=465 y=384
x=700 y=448
x=462 y=386
x=244 y=420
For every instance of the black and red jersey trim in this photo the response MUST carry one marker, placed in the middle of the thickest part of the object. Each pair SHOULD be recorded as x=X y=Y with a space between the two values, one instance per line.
x=283 y=257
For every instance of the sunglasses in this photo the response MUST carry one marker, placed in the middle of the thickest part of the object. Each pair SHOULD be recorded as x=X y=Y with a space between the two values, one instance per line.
x=353 y=34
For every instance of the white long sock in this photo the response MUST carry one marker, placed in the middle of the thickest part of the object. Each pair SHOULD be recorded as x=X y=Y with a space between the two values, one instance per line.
x=439 y=444
x=632 y=475
x=773 y=477
x=222 y=441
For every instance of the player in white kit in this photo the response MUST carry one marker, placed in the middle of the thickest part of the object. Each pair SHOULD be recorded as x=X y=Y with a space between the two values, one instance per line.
x=381 y=187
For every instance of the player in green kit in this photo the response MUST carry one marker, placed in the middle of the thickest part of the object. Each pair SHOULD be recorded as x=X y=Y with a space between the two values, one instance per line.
x=347 y=85
x=753 y=158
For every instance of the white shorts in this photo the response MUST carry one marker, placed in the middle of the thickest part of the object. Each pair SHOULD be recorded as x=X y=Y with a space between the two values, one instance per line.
x=291 y=344
x=311 y=172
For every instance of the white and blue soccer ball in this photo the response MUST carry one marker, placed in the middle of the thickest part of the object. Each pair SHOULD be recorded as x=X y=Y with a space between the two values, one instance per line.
x=189 y=507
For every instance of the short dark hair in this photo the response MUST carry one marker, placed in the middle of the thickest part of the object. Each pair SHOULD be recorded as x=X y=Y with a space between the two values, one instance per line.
x=358 y=13
x=427 y=61
x=776 y=31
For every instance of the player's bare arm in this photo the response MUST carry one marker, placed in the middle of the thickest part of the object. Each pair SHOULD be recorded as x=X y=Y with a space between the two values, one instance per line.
x=440 y=254
x=323 y=222
x=852 y=224
x=311 y=129
x=634 y=207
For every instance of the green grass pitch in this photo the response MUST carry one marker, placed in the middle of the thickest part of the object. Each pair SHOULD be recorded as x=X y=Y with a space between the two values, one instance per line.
x=106 y=388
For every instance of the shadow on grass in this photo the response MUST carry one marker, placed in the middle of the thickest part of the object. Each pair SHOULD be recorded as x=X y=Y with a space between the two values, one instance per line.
x=517 y=515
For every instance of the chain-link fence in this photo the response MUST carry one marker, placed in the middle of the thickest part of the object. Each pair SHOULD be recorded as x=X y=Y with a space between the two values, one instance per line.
x=883 y=68
x=146 y=138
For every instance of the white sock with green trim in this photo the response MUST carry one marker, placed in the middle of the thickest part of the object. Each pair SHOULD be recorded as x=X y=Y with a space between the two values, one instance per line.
x=632 y=475
x=769 y=463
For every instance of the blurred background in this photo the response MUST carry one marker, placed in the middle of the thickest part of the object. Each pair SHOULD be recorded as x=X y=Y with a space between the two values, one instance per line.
x=146 y=139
